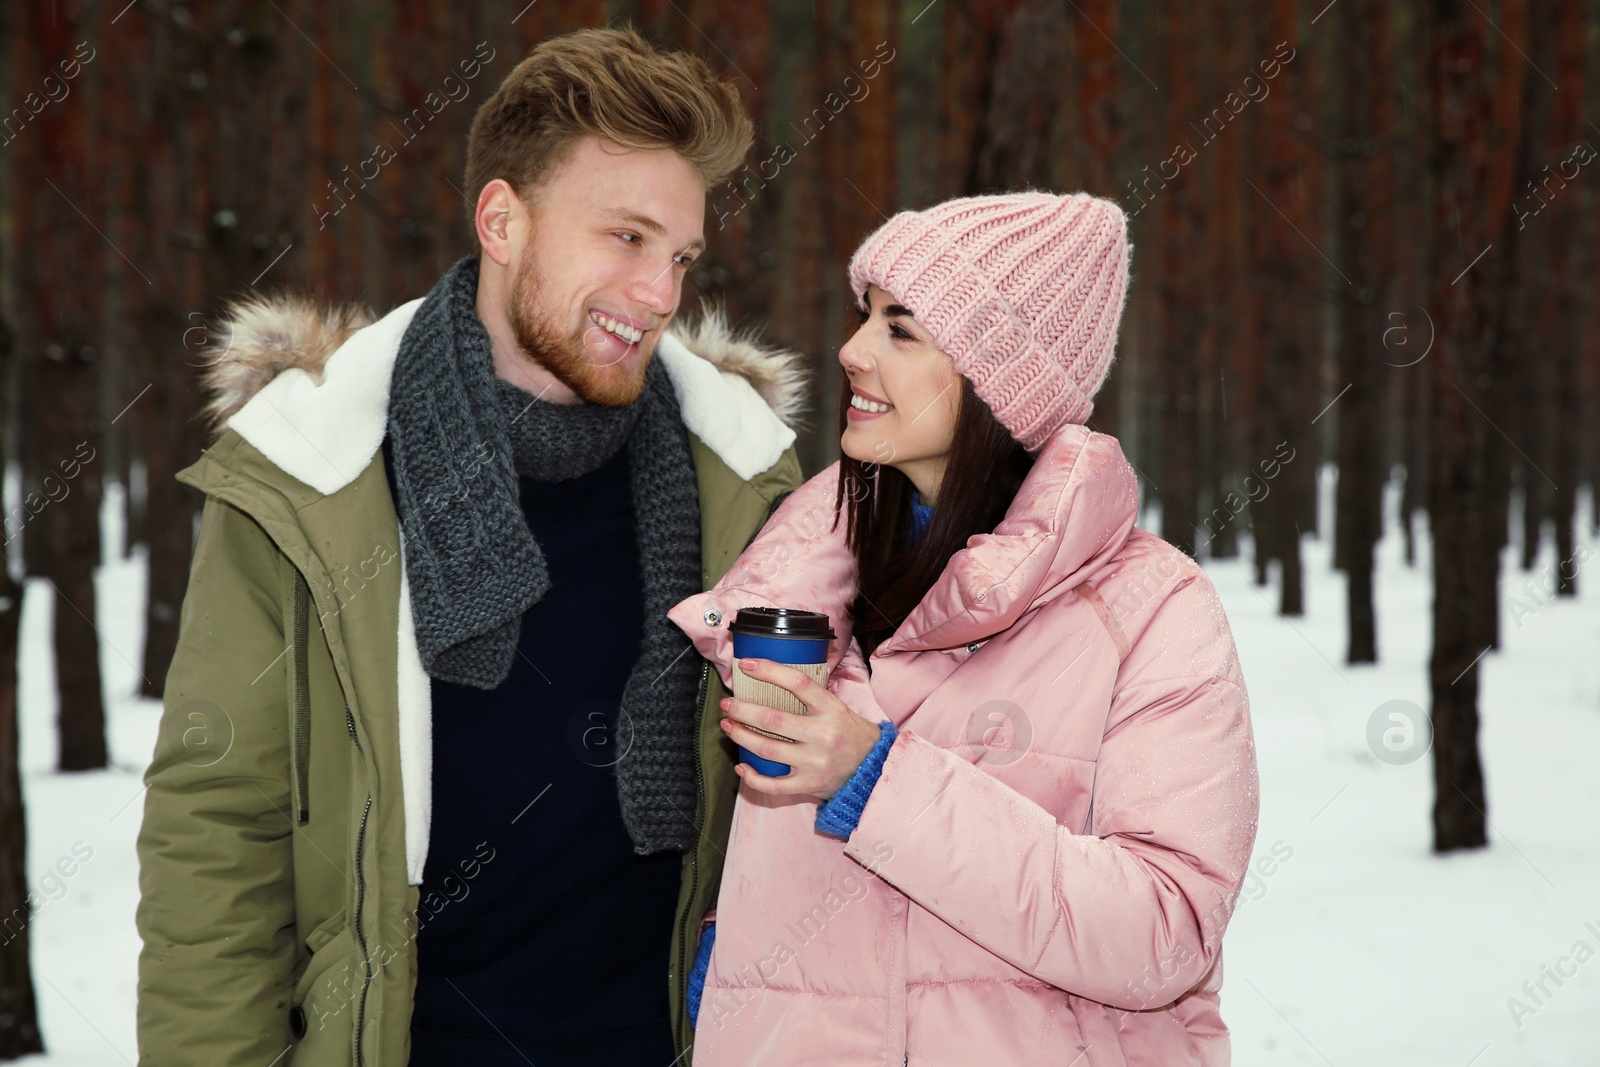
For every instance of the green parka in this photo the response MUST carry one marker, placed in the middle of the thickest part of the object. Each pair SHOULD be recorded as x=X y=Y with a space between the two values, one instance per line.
x=275 y=907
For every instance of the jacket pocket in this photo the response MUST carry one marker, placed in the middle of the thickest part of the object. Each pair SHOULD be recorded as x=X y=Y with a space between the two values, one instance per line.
x=325 y=931
x=323 y=1009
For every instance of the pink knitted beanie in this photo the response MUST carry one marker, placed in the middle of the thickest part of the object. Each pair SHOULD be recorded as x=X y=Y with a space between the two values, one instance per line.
x=1023 y=291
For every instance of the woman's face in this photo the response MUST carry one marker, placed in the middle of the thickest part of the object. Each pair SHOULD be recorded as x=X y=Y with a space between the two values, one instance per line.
x=905 y=395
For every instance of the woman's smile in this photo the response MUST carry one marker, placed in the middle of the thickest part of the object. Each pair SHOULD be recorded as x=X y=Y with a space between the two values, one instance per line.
x=865 y=407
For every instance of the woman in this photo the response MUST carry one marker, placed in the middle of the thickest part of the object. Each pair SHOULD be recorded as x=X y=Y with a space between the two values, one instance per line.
x=1034 y=747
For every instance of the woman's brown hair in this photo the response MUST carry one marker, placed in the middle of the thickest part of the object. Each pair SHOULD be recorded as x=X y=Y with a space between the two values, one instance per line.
x=986 y=468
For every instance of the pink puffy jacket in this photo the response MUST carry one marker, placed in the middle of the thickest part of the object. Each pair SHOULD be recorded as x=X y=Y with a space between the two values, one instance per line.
x=1045 y=868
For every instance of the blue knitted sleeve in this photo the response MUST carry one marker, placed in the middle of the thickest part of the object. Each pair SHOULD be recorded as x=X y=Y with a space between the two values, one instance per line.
x=697 y=974
x=838 y=816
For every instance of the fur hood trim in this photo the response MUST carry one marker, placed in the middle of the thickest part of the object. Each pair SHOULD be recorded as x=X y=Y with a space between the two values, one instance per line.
x=261 y=337
x=308 y=385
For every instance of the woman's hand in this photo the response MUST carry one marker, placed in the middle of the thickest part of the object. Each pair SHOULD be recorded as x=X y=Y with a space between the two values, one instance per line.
x=829 y=743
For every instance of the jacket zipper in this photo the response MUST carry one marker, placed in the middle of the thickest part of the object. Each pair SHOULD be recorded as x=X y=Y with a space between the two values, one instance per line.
x=300 y=699
x=694 y=852
x=361 y=897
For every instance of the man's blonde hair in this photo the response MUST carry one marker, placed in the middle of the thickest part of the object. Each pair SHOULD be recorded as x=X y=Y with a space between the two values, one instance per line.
x=611 y=84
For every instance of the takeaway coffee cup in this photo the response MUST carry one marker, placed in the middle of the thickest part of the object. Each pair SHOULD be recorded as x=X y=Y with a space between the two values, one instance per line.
x=783 y=635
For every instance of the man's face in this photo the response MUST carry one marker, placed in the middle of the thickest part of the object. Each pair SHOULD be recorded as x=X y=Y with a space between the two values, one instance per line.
x=613 y=231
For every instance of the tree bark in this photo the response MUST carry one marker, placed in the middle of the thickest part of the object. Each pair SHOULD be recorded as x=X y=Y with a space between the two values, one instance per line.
x=1094 y=28
x=1233 y=326
x=1288 y=263
x=1182 y=214
x=1027 y=97
x=1366 y=220
x=1476 y=114
x=967 y=80
x=160 y=152
x=61 y=338
x=740 y=269
x=1557 y=31
x=807 y=304
x=19 y=1015
x=856 y=152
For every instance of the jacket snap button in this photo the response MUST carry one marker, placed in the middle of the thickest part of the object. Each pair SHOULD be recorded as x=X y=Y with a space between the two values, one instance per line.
x=297 y=1023
x=973 y=647
x=713 y=617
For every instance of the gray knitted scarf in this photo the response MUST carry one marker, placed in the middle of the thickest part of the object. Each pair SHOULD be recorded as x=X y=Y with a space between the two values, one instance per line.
x=460 y=438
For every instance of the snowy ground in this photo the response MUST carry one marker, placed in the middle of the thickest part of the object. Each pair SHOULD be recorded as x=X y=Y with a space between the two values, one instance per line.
x=1352 y=947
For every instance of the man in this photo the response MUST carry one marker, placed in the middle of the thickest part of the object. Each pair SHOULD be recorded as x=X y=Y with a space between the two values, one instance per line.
x=437 y=782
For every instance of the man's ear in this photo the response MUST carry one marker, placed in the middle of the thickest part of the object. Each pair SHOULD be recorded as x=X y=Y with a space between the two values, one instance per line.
x=498 y=219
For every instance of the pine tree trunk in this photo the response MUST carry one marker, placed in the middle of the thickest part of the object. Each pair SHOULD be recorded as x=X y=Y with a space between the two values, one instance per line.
x=251 y=186
x=856 y=154
x=857 y=145
x=1182 y=214
x=739 y=269
x=158 y=151
x=807 y=307
x=61 y=339
x=967 y=78
x=1028 y=95
x=19 y=1016
x=1567 y=54
x=1099 y=136
x=1236 y=337
x=1289 y=273
x=1366 y=221
x=1476 y=113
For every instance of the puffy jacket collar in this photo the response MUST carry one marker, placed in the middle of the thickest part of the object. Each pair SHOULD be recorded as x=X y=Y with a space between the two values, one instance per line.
x=309 y=387
x=1073 y=513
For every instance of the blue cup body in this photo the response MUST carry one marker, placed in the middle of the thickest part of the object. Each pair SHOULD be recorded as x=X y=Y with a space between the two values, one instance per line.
x=779 y=650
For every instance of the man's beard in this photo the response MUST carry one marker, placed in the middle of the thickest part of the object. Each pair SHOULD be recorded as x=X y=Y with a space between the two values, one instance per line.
x=572 y=363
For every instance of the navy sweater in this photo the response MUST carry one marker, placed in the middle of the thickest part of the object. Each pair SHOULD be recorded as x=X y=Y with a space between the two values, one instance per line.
x=543 y=936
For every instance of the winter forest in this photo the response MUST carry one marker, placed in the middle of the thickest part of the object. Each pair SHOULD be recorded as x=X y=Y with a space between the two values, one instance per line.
x=1358 y=375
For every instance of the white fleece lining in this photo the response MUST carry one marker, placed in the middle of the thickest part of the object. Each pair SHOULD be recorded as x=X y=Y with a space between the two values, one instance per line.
x=414 y=713
x=326 y=431
x=725 y=411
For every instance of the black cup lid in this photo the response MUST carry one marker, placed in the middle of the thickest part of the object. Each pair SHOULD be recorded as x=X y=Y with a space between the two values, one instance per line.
x=783 y=623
